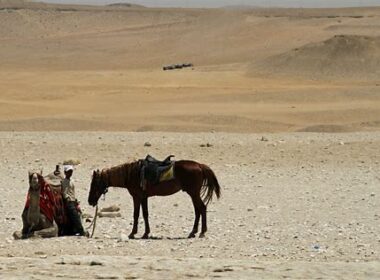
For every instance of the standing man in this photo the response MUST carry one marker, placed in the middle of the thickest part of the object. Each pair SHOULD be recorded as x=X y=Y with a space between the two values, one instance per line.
x=68 y=192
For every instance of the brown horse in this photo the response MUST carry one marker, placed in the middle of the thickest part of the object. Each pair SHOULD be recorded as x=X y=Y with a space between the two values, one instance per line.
x=198 y=180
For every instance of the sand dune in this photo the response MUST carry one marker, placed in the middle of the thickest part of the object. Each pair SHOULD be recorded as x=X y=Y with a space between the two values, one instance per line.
x=342 y=56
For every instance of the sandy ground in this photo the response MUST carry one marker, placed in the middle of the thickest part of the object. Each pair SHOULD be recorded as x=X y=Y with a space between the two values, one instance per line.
x=266 y=70
x=300 y=206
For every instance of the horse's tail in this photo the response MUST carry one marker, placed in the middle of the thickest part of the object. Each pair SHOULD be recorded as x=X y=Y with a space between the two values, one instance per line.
x=210 y=184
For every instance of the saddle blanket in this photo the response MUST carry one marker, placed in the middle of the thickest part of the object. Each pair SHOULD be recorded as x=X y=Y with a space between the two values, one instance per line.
x=47 y=200
x=167 y=175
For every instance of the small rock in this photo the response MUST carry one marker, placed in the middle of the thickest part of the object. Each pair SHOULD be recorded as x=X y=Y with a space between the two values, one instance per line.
x=112 y=208
x=109 y=215
x=208 y=145
x=71 y=162
x=92 y=263
x=147 y=144
x=123 y=238
x=87 y=216
x=264 y=139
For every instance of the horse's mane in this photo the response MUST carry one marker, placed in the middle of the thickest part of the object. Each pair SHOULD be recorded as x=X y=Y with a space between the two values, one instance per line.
x=122 y=175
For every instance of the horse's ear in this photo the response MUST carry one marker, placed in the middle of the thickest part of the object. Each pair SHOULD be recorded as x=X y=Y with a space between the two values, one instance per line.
x=41 y=171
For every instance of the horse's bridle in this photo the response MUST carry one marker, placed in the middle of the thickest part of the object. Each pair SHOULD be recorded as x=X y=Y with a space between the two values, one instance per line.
x=104 y=193
x=105 y=190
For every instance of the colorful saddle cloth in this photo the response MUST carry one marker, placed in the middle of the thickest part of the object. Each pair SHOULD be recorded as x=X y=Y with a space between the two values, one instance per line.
x=47 y=201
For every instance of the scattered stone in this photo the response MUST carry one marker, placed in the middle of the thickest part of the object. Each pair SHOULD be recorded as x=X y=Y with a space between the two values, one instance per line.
x=223 y=269
x=264 y=139
x=123 y=238
x=92 y=263
x=112 y=208
x=71 y=162
x=208 y=145
x=87 y=216
x=147 y=144
x=109 y=215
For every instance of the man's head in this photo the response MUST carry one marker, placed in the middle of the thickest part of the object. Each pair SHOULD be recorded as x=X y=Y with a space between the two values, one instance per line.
x=68 y=169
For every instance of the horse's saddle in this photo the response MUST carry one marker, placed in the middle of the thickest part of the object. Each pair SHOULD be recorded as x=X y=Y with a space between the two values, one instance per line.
x=154 y=171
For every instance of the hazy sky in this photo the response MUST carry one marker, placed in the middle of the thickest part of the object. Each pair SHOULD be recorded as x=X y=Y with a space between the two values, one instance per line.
x=219 y=3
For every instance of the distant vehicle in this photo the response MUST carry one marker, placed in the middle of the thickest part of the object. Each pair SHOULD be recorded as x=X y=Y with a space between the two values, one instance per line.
x=177 y=66
x=168 y=67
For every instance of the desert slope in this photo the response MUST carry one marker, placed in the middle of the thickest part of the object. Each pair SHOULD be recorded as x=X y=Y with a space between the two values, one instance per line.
x=70 y=67
x=340 y=57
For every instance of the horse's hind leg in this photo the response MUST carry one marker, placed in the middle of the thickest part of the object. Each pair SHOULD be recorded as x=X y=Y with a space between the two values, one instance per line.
x=203 y=210
x=144 y=206
x=197 y=216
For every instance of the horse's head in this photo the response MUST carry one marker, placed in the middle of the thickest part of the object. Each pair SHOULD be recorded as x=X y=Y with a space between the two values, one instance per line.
x=98 y=187
x=34 y=180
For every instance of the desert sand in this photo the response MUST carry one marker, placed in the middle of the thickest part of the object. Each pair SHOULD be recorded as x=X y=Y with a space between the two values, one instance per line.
x=260 y=70
x=288 y=100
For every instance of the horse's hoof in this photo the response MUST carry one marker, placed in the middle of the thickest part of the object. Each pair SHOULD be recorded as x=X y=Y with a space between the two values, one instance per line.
x=191 y=235
x=202 y=235
x=145 y=236
x=131 y=236
x=17 y=235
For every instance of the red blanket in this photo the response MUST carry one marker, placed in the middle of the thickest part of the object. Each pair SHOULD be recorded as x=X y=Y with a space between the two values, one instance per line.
x=47 y=201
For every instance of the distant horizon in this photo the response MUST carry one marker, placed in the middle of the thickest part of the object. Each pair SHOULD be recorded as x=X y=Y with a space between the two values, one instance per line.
x=223 y=3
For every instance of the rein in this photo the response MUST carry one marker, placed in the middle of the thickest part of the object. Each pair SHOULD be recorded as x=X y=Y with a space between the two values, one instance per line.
x=93 y=223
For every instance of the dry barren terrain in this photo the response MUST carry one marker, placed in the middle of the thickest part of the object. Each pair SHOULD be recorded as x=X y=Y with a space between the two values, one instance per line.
x=287 y=99
x=100 y=68
x=303 y=206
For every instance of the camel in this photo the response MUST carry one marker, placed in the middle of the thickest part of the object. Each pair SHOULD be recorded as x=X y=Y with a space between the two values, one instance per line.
x=35 y=221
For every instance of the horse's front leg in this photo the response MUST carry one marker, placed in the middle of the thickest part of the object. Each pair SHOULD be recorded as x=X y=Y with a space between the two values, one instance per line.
x=144 y=205
x=136 y=214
